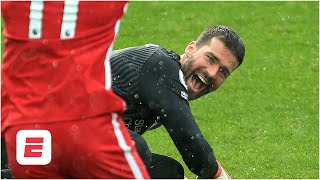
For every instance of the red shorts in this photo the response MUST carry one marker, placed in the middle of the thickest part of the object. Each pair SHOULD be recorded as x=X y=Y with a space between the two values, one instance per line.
x=97 y=147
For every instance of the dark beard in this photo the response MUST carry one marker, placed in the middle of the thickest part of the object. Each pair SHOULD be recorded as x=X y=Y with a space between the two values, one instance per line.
x=188 y=72
x=186 y=68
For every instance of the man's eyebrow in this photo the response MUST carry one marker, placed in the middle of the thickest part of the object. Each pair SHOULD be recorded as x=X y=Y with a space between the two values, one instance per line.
x=213 y=56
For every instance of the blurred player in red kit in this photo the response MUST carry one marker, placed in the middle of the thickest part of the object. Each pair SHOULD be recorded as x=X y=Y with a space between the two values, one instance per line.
x=56 y=76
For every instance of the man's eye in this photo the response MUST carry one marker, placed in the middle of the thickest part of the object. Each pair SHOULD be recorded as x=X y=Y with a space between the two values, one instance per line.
x=211 y=59
x=224 y=73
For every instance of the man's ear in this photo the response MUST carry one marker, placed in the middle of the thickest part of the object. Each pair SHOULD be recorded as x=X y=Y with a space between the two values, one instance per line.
x=190 y=48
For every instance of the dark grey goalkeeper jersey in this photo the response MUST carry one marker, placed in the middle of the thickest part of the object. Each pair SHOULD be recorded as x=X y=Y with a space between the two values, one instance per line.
x=150 y=80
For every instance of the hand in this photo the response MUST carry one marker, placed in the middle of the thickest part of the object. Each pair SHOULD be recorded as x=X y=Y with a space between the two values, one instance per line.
x=221 y=173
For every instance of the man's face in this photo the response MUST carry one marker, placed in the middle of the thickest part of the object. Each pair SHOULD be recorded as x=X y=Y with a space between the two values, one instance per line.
x=207 y=67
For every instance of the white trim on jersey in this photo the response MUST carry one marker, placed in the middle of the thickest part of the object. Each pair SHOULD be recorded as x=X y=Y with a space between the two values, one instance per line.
x=107 y=60
x=35 y=19
x=182 y=80
x=125 y=8
x=126 y=149
x=107 y=73
x=69 y=19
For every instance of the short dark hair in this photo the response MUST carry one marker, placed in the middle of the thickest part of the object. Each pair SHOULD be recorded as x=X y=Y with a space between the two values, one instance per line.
x=228 y=36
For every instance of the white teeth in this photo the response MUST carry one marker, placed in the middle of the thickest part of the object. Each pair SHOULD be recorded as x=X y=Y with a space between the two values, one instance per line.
x=202 y=79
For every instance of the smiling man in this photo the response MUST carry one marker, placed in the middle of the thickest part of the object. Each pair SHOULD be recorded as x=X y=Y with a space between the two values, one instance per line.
x=206 y=66
x=157 y=83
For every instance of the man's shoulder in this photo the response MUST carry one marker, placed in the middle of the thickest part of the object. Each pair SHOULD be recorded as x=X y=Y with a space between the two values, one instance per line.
x=165 y=58
x=147 y=50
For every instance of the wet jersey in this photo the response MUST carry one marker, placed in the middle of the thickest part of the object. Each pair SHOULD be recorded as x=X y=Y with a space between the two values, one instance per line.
x=56 y=60
x=150 y=80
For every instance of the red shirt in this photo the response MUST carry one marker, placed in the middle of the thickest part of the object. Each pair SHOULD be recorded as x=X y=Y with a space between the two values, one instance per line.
x=56 y=60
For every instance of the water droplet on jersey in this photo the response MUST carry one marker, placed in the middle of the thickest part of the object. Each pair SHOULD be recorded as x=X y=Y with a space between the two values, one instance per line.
x=165 y=115
x=136 y=96
x=192 y=137
x=74 y=127
x=45 y=41
x=158 y=117
x=55 y=64
x=198 y=135
x=192 y=155
x=129 y=84
x=171 y=130
x=29 y=96
x=160 y=63
x=72 y=52
x=163 y=111
x=78 y=67
x=161 y=80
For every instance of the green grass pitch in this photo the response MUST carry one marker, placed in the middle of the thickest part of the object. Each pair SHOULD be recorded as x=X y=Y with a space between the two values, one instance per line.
x=263 y=122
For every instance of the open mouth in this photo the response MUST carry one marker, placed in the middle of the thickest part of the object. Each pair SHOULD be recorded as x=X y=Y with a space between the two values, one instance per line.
x=198 y=82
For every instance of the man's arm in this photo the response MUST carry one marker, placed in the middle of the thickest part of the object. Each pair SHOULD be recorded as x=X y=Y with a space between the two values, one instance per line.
x=165 y=94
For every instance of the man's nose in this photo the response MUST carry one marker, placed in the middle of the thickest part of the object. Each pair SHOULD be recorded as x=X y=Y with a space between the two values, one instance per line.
x=213 y=70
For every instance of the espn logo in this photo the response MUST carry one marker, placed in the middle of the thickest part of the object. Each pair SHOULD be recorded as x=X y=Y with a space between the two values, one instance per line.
x=33 y=147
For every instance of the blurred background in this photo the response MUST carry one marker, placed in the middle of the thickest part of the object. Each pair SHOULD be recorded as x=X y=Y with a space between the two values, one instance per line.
x=263 y=122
